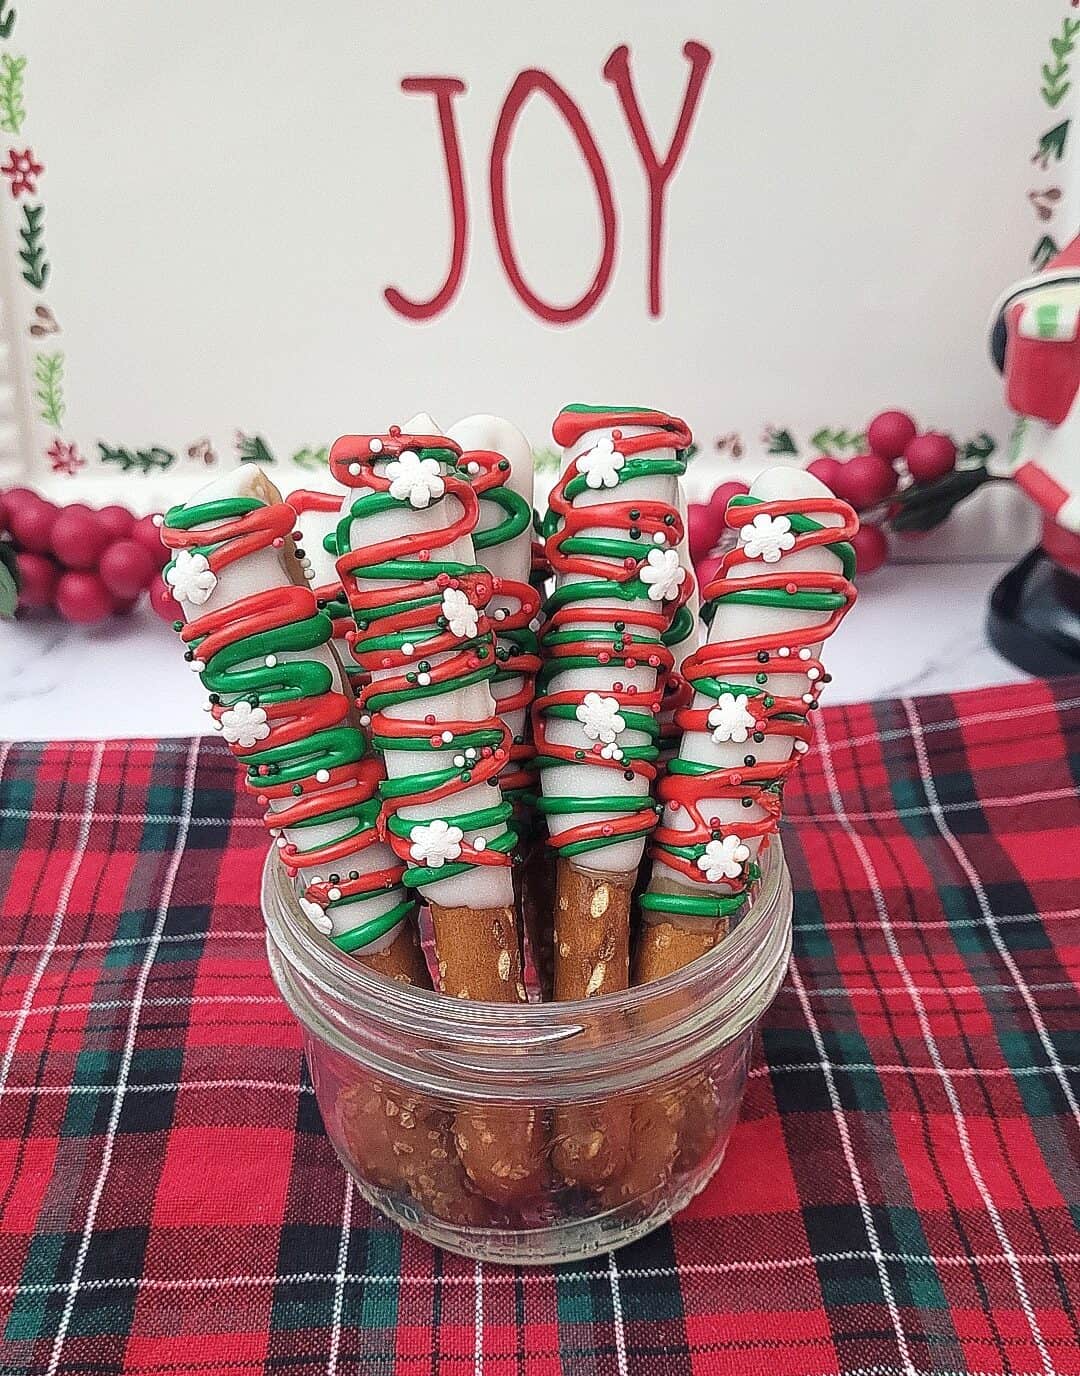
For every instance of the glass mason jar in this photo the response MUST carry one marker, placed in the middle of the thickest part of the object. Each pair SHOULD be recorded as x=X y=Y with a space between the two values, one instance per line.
x=413 y=1084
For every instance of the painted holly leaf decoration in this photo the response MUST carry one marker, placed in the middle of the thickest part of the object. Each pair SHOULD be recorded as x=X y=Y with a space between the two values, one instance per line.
x=780 y=442
x=12 y=79
x=827 y=441
x=9 y=581
x=32 y=233
x=7 y=21
x=253 y=449
x=155 y=459
x=1052 y=144
x=1055 y=74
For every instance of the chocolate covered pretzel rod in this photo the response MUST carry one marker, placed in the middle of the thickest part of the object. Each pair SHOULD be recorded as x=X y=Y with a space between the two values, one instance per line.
x=778 y=595
x=406 y=559
x=260 y=646
x=613 y=539
x=318 y=514
x=498 y=461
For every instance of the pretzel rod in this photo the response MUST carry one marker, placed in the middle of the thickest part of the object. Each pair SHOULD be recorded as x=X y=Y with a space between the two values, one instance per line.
x=613 y=538
x=778 y=595
x=498 y=461
x=406 y=560
x=259 y=644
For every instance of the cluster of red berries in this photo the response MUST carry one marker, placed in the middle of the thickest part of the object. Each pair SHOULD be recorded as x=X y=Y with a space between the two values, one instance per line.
x=866 y=481
x=84 y=564
x=869 y=480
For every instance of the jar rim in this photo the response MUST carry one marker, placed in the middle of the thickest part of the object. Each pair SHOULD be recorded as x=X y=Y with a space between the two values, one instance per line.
x=316 y=959
x=513 y=1051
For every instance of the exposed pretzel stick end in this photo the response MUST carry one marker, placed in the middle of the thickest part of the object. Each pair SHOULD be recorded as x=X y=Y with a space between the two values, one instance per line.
x=663 y=948
x=403 y=960
x=591 y=931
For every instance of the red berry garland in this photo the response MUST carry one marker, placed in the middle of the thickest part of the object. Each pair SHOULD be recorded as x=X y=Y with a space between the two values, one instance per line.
x=930 y=457
x=865 y=481
x=890 y=433
x=84 y=564
x=871 y=549
x=907 y=480
x=126 y=568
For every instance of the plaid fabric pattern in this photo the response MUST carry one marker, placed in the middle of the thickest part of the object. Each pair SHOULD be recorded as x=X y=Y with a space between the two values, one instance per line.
x=901 y=1196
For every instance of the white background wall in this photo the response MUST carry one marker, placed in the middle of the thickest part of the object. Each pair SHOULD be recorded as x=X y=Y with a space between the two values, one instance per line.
x=230 y=185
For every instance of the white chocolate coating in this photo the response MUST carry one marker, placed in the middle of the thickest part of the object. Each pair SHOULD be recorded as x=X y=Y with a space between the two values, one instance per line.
x=512 y=558
x=482 y=886
x=584 y=780
x=268 y=568
x=734 y=621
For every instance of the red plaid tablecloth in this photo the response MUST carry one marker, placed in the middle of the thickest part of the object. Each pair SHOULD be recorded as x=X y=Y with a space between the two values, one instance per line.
x=901 y=1196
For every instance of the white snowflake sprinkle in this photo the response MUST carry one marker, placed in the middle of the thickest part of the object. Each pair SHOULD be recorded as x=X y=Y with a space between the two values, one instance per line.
x=601 y=465
x=662 y=574
x=723 y=859
x=767 y=537
x=317 y=916
x=461 y=615
x=415 y=480
x=435 y=843
x=600 y=718
x=731 y=719
x=191 y=577
x=244 y=725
